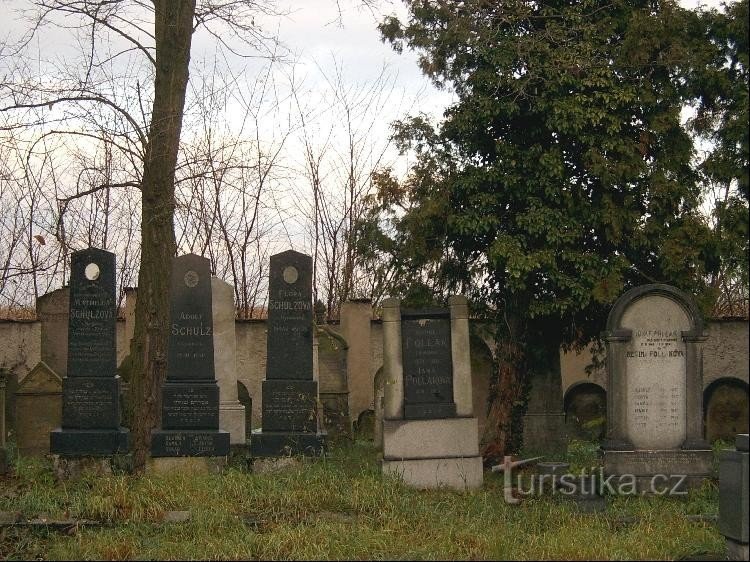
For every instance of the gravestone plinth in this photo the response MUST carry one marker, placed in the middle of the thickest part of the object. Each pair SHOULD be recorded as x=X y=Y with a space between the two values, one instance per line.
x=654 y=409
x=430 y=435
x=190 y=395
x=91 y=389
x=290 y=392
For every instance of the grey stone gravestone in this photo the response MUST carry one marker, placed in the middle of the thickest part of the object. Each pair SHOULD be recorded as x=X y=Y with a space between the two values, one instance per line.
x=290 y=391
x=38 y=410
x=734 y=498
x=430 y=434
x=91 y=389
x=654 y=412
x=190 y=395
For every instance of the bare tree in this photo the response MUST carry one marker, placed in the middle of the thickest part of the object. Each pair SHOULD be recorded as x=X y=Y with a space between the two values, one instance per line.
x=338 y=164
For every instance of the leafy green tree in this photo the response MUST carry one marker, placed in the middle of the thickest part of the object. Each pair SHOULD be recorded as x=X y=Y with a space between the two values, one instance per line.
x=720 y=87
x=560 y=177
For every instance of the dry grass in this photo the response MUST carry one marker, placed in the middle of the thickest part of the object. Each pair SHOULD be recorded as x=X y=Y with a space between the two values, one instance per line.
x=340 y=507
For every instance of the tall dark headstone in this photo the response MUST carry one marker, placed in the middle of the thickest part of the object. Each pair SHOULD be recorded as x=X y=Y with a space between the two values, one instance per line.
x=290 y=393
x=91 y=389
x=190 y=395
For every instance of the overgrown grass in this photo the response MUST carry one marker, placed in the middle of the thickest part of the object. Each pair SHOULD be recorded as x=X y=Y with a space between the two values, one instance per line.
x=340 y=507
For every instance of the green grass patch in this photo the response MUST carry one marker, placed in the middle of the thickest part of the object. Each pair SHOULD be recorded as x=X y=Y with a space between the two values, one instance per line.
x=340 y=507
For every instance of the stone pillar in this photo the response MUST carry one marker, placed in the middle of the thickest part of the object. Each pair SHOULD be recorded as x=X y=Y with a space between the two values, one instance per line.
x=52 y=311
x=231 y=412
x=459 y=307
x=393 y=371
x=694 y=391
x=356 y=316
x=616 y=386
x=734 y=498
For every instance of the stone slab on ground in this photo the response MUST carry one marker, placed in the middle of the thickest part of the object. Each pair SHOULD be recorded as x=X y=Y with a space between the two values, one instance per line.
x=429 y=439
x=72 y=468
x=189 y=465
x=457 y=473
x=737 y=550
x=668 y=466
x=275 y=464
x=176 y=516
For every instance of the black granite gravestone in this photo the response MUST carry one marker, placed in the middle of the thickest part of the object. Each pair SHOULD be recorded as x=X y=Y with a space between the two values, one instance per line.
x=290 y=395
x=91 y=390
x=427 y=364
x=190 y=395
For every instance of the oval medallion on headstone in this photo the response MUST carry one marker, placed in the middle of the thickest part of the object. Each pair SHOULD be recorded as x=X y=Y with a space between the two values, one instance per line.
x=92 y=272
x=290 y=274
x=191 y=278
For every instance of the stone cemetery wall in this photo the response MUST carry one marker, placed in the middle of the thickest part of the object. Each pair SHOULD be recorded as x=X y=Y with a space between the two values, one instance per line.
x=725 y=361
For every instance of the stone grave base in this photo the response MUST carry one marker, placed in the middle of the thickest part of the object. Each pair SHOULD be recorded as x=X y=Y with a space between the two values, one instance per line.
x=658 y=471
x=737 y=550
x=430 y=439
x=72 y=468
x=188 y=465
x=287 y=444
x=545 y=434
x=89 y=442
x=462 y=473
x=433 y=453
x=232 y=419
x=189 y=443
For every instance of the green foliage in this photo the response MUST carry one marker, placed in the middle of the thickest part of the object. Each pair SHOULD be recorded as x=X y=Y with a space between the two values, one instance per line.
x=562 y=175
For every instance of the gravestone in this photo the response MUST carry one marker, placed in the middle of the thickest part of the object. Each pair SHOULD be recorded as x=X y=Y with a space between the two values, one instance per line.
x=332 y=382
x=190 y=395
x=52 y=310
x=726 y=409
x=430 y=434
x=654 y=412
x=290 y=392
x=586 y=411
x=544 y=431
x=38 y=410
x=734 y=498
x=91 y=389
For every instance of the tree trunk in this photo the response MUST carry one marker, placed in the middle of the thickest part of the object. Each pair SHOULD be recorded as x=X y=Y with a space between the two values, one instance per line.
x=506 y=401
x=173 y=33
